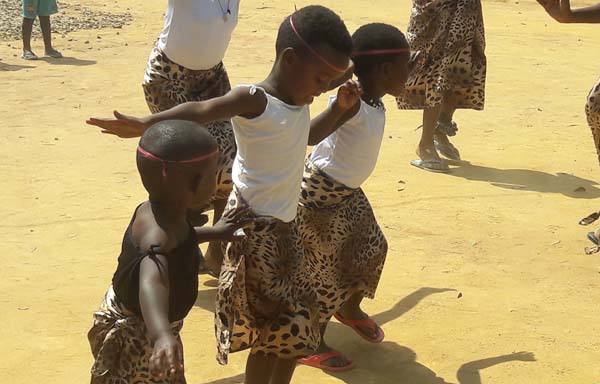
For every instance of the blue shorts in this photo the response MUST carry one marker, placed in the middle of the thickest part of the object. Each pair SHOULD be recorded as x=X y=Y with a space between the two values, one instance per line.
x=34 y=8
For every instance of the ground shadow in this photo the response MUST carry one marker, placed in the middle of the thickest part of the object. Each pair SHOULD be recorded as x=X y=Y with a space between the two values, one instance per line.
x=407 y=303
x=206 y=299
x=468 y=373
x=530 y=180
x=68 y=61
x=13 y=67
x=387 y=362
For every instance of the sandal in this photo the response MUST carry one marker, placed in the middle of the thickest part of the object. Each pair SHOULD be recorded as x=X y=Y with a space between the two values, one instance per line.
x=28 y=55
x=432 y=165
x=449 y=151
x=589 y=219
x=356 y=325
x=316 y=361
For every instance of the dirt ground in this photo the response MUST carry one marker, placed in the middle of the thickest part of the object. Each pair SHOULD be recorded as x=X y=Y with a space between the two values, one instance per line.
x=484 y=263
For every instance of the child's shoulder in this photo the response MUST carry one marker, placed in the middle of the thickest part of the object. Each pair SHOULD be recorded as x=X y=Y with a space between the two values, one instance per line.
x=147 y=234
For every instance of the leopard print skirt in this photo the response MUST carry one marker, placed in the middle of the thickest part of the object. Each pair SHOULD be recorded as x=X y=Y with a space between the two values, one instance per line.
x=168 y=84
x=592 y=111
x=344 y=247
x=265 y=301
x=121 y=346
x=451 y=38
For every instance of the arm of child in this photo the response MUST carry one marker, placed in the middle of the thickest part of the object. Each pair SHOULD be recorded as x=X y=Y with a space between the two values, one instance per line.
x=237 y=102
x=167 y=356
x=346 y=105
x=226 y=229
x=560 y=10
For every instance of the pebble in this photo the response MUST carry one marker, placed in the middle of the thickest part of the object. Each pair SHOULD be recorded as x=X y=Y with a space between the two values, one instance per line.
x=71 y=17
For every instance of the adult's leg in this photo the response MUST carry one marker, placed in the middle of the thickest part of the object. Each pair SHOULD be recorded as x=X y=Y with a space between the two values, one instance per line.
x=283 y=371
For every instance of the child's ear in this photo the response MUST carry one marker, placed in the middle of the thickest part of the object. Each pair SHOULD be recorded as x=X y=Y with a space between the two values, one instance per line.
x=289 y=56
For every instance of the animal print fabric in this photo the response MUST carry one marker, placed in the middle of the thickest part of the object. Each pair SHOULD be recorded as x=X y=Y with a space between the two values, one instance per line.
x=265 y=299
x=592 y=111
x=344 y=247
x=168 y=84
x=451 y=38
x=121 y=346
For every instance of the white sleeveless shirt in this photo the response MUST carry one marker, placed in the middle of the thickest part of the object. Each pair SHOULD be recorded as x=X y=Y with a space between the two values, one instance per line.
x=269 y=162
x=196 y=33
x=349 y=155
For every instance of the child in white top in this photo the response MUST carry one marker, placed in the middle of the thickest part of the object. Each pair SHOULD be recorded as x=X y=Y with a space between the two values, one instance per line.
x=345 y=249
x=265 y=299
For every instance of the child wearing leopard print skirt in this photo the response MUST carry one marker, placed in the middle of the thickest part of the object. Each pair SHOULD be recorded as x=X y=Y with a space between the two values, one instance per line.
x=135 y=333
x=265 y=299
x=180 y=69
x=345 y=249
x=561 y=11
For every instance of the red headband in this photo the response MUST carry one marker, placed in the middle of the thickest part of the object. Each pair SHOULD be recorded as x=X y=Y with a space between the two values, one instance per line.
x=375 y=52
x=149 y=155
x=313 y=52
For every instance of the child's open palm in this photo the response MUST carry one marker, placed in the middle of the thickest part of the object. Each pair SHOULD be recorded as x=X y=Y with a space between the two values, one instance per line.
x=122 y=125
x=349 y=94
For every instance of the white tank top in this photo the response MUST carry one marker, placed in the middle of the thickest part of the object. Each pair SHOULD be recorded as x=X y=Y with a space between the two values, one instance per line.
x=269 y=163
x=349 y=155
x=197 y=32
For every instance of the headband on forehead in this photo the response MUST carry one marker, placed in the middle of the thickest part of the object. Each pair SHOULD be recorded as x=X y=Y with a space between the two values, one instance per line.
x=164 y=162
x=313 y=52
x=376 y=52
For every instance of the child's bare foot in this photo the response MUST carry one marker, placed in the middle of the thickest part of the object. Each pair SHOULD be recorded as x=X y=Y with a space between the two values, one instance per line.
x=29 y=55
x=53 y=53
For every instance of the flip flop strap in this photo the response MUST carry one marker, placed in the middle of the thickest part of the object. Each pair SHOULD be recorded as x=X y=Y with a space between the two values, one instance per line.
x=322 y=357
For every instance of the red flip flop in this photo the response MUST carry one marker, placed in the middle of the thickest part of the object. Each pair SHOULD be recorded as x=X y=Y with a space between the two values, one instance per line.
x=366 y=323
x=316 y=361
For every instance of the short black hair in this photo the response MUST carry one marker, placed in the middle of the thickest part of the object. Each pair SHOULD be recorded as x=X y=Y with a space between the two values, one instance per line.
x=317 y=25
x=171 y=140
x=177 y=140
x=373 y=37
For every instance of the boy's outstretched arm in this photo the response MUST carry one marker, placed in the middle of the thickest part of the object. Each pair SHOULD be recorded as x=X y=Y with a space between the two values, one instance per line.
x=346 y=105
x=237 y=102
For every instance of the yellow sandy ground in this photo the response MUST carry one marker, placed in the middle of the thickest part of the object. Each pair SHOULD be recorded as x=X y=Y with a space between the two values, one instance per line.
x=484 y=262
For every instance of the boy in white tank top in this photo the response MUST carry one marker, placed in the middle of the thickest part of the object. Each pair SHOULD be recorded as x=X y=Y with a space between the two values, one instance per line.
x=265 y=300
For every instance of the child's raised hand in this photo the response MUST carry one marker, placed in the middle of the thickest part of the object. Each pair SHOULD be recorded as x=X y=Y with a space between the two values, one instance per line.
x=122 y=125
x=559 y=10
x=226 y=229
x=349 y=94
x=167 y=357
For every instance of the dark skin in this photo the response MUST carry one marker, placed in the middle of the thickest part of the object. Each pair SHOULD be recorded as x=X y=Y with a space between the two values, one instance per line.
x=296 y=79
x=162 y=221
x=560 y=10
x=387 y=78
x=46 y=33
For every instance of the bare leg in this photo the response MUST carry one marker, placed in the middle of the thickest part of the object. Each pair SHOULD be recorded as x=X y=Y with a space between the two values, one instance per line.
x=446 y=115
x=259 y=369
x=26 y=34
x=426 y=149
x=214 y=254
x=283 y=372
x=47 y=33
